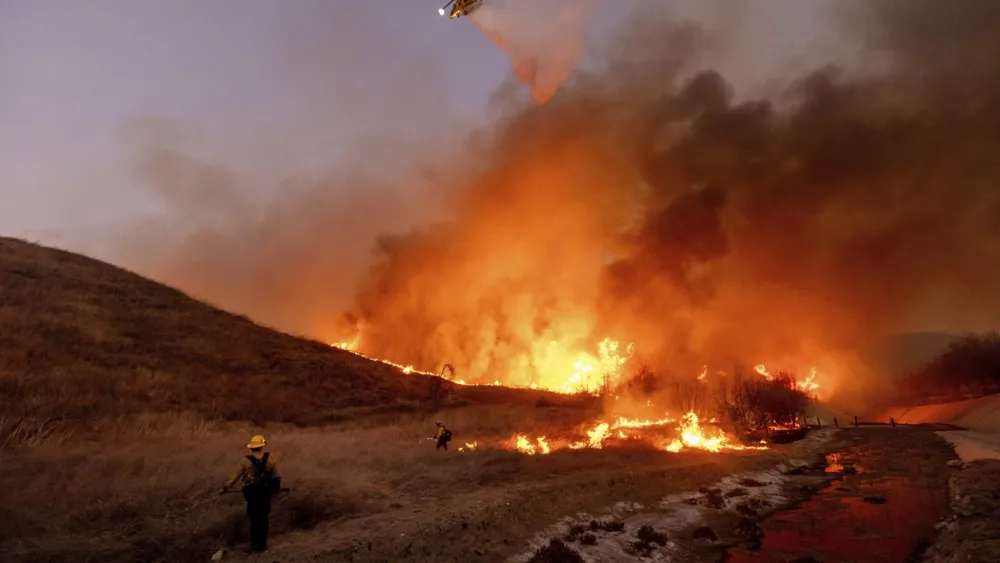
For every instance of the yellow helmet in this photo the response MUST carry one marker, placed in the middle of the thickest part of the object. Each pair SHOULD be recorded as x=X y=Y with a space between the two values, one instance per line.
x=257 y=442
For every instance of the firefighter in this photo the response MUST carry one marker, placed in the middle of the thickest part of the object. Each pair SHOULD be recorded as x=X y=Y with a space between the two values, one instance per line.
x=259 y=474
x=443 y=436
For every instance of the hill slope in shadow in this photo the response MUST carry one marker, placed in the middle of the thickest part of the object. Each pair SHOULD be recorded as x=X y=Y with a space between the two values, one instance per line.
x=81 y=339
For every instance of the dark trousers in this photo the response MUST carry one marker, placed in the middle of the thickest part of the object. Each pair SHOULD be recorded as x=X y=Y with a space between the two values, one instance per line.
x=442 y=443
x=259 y=512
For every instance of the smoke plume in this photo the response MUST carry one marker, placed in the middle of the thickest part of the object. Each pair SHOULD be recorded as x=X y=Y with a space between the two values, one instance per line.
x=648 y=203
x=650 y=207
x=544 y=40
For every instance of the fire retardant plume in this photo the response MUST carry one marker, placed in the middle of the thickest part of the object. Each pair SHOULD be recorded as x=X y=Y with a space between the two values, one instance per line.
x=644 y=204
x=543 y=39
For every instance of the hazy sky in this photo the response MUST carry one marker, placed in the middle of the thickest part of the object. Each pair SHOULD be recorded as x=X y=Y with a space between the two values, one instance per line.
x=300 y=81
x=74 y=72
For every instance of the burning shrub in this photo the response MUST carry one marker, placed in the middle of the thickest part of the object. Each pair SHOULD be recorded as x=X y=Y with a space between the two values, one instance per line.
x=643 y=380
x=753 y=403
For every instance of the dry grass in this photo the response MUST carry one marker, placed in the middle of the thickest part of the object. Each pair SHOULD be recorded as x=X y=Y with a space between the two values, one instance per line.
x=148 y=491
x=81 y=340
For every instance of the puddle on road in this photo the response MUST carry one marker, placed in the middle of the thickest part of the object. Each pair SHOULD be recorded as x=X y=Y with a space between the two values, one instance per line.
x=842 y=462
x=838 y=524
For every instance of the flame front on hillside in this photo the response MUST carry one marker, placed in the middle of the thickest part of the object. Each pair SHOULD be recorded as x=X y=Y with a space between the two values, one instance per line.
x=584 y=372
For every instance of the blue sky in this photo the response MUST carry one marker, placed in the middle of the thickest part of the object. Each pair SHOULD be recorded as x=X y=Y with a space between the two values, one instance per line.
x=301 y=80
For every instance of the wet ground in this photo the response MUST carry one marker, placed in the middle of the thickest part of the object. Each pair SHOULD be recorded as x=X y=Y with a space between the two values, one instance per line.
x=889 y=490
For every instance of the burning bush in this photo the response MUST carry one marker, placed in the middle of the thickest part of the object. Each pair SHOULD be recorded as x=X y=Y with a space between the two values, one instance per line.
x=745 y=402
x=754 y=403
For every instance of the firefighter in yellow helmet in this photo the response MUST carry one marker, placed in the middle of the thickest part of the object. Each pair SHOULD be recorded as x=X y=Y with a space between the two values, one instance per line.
x=442 y=435
x=259 y=474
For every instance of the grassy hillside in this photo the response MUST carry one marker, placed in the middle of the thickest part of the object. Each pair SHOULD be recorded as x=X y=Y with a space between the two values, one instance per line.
x=81 y=340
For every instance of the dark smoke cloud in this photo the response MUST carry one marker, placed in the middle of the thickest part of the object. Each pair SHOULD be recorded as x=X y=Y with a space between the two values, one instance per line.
x=792 y=233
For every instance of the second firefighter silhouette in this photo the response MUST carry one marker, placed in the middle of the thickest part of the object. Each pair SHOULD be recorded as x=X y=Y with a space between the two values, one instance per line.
x=443 y=436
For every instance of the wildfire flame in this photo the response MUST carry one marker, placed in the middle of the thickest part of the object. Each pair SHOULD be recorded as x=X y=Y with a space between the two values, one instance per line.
x=608 y=364
x=596 y=437
x=587 y=374
x=352 y=347
x=693 y=436
x=809 y=384
x=761 y=369
x=623 y=422
x=524 y=445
